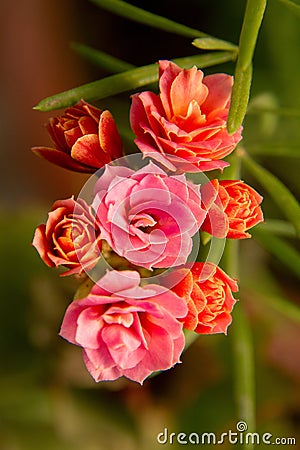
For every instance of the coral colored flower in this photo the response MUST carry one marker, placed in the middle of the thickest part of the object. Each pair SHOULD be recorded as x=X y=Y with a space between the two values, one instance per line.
x=125 y=329
x=147 y=216
x=207 y=290
x=184 y=127
x=85 y=139
x=239 y=203
x=71 y=237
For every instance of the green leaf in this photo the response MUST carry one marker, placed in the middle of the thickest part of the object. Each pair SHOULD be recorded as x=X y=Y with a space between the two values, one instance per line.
x=209 y=43
x=102 y=59
x=292 y=6
x=126 y=81
x=278 y=227
x=239 y=99
x=147 y=18
x=277 y=190
x=282 y=250
x=243 y=72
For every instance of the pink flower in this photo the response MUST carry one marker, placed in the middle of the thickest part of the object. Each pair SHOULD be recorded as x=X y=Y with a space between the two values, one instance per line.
x=125 y=329
x=147 y=216
x=235 y=201
x=184 y=127
x=207 y=290
x=85 y=139
x=71 y=237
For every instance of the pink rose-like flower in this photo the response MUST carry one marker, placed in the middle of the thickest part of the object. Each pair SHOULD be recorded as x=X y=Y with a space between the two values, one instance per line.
x=125 y=329
x=207 y=290
x=85 y=139
x=184 y=127
x=71 y=237
x=146 y=216
x=235 y=201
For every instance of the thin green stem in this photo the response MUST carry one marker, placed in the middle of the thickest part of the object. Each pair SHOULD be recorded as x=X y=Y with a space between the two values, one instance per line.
x=126 y=81
x=278 y=227
x=275 y=301
x=139 y=15
x=242 y=345
x=102 y=59
x=252 y=21
x=243 y=72
x=279 y=248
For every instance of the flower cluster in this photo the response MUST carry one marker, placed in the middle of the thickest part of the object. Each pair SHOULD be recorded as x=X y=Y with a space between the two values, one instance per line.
x=139 y=227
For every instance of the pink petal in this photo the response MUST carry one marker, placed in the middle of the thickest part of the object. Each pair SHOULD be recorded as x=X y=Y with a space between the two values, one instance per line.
x=61 y=159
x=41 y=243
x=124 y=346
x=88 y=125
x=186 y=87
x=88 y=328
x=87 y=150
x=110 y=140
x=117 y=281
x=109 y=373
x=167 y=73
x=109 y=175
x=219 y=92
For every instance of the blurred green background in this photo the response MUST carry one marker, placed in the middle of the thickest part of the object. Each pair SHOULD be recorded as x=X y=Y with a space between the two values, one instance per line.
x=48 y=400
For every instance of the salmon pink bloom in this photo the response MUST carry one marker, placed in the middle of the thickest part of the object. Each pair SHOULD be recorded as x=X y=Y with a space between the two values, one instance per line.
x=184 y=127
x=85 y=139
x=207 y=290
x=238 y=203
x=70 y=237
x=125 y=329
x=146 y=216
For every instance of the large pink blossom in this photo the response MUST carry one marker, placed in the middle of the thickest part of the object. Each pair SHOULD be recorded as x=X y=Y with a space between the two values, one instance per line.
x=147 y=216
x=125 y=329
x=184 y=127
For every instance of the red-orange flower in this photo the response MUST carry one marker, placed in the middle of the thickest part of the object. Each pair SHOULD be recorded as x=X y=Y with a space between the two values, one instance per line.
x=237 y=203
x=71 y=237
x=185 y=126
x=85 y=139
x=207 y=290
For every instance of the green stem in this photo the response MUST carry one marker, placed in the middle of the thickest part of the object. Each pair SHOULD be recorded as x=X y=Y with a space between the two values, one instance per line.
x=242 y=344
x=102 y=59
x=139 y=15
x=243 y=72
x=252 y=21
x=126 y=81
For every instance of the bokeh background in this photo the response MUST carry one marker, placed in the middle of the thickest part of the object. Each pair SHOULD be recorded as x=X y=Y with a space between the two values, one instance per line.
x=47 y=399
